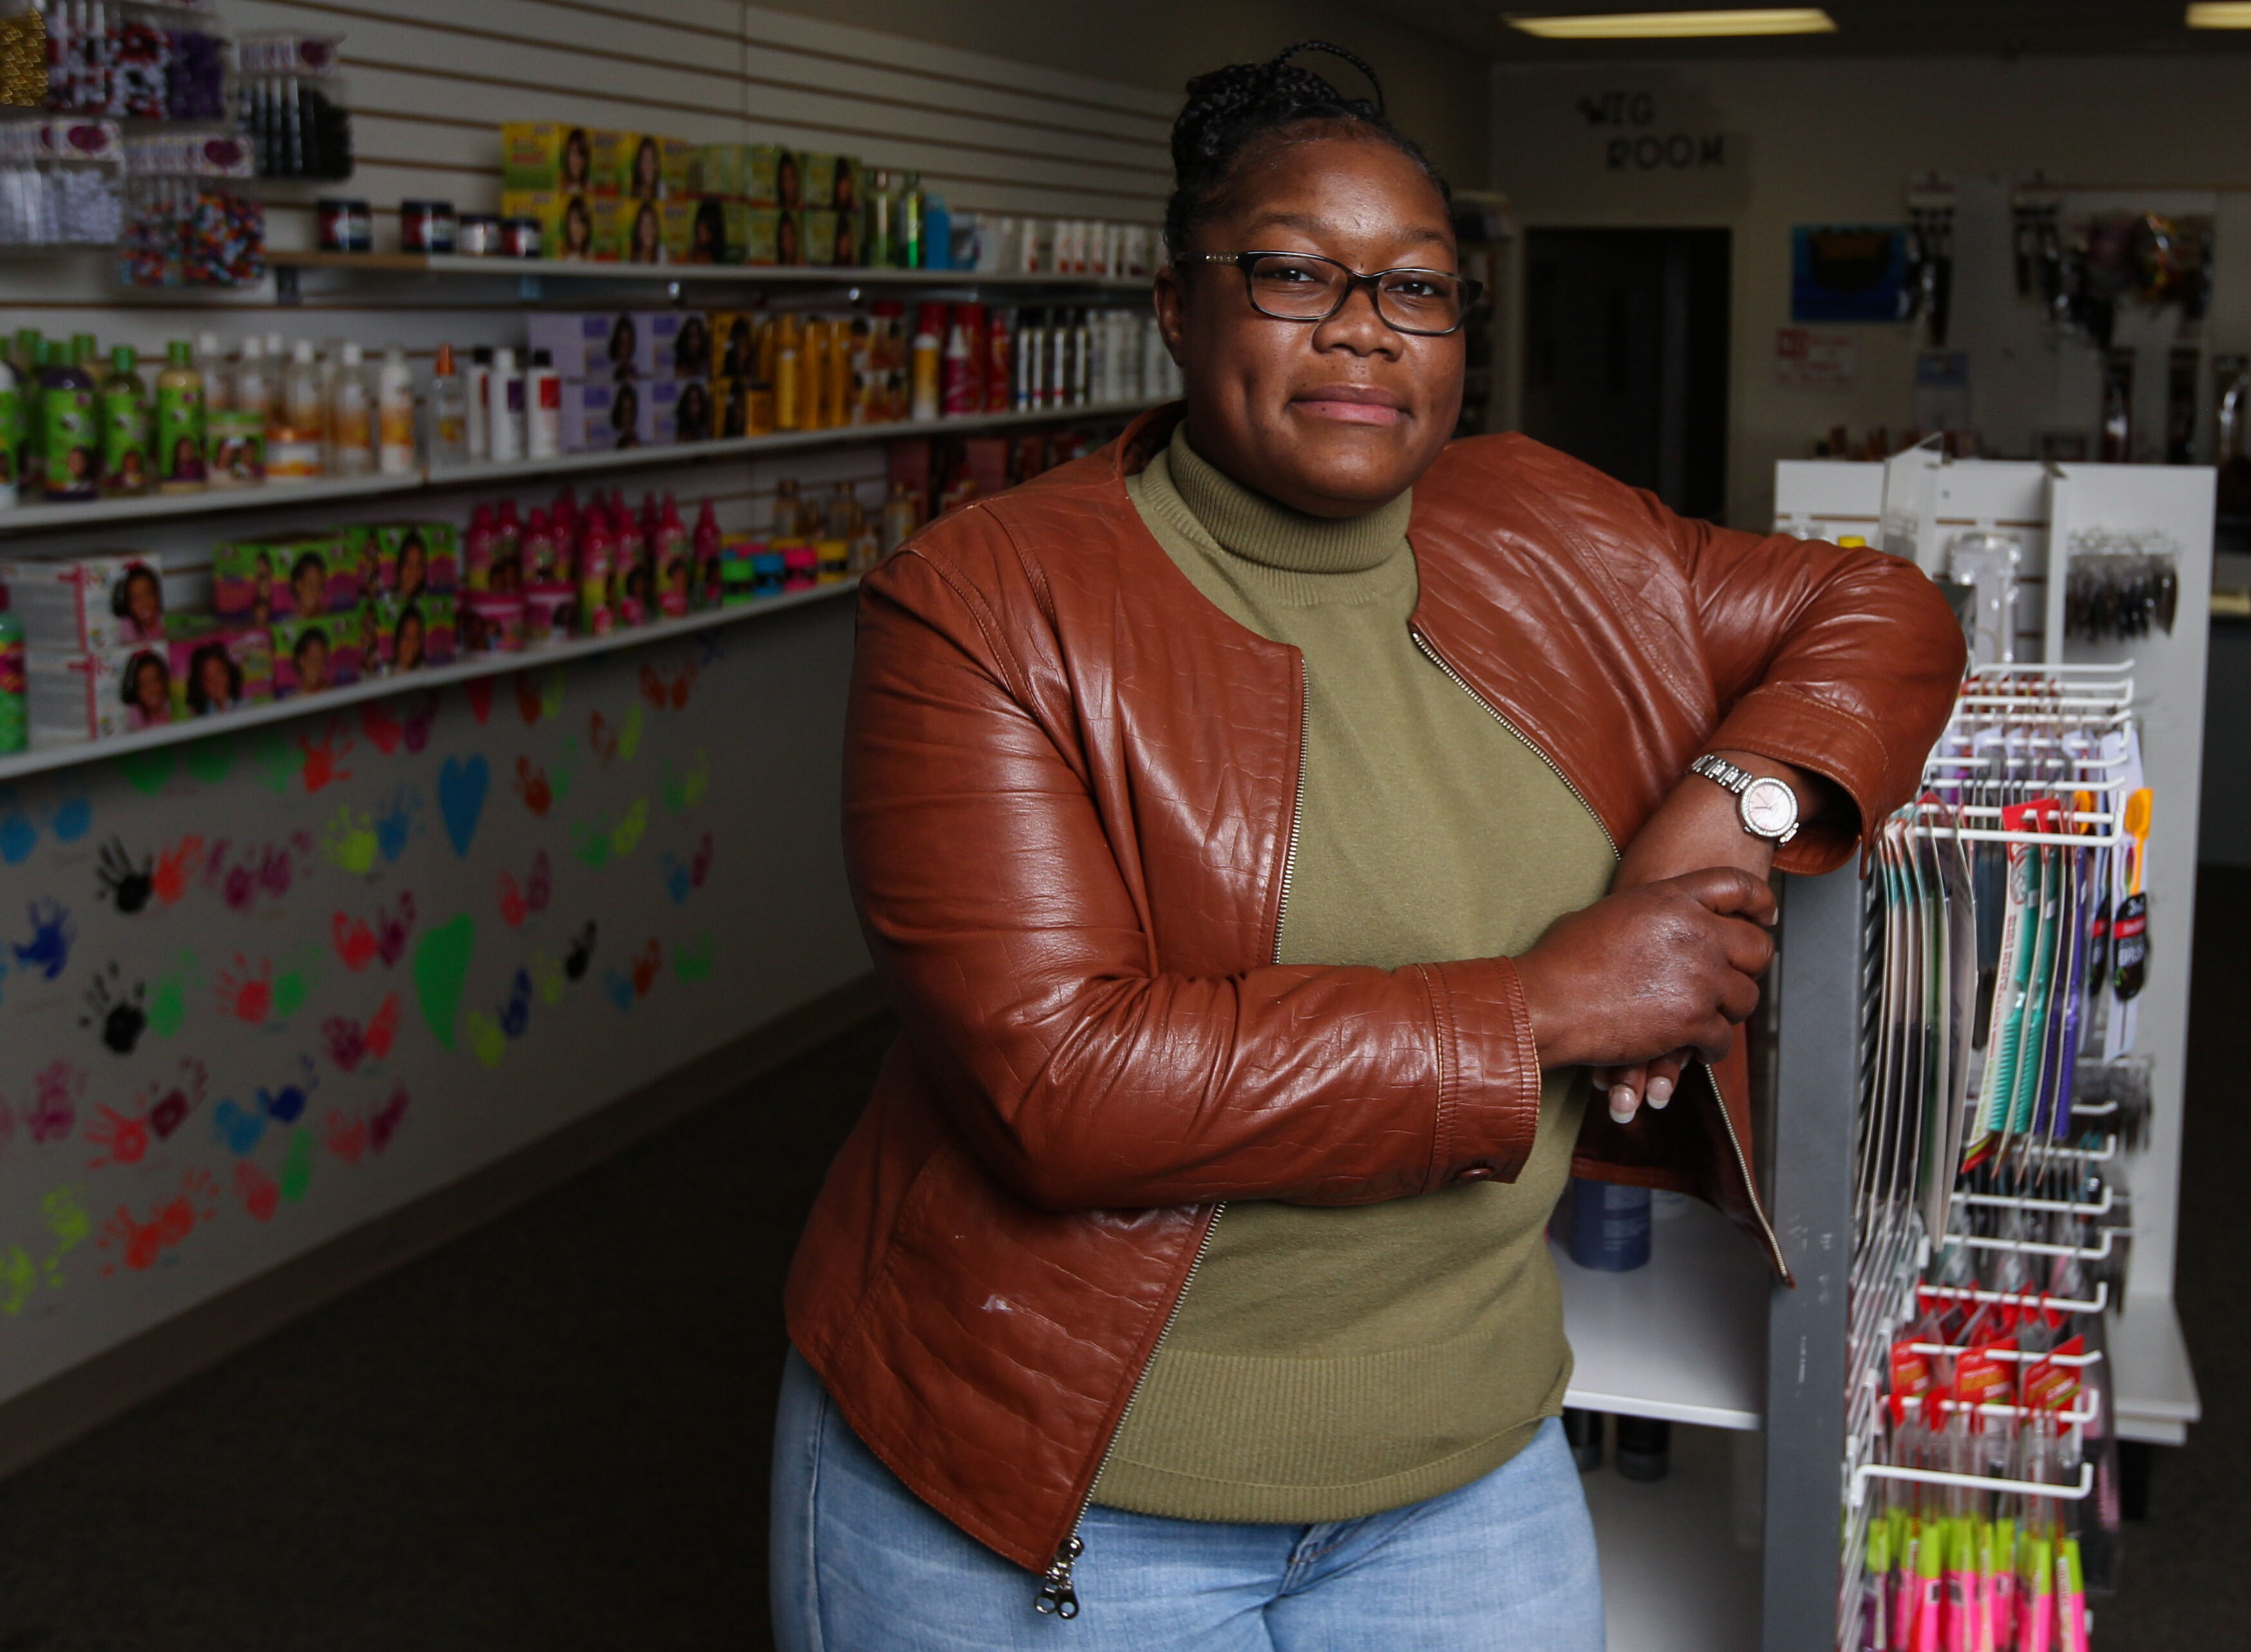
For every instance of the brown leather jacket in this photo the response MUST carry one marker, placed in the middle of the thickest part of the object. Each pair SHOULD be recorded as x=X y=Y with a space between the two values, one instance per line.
x=1070 y=792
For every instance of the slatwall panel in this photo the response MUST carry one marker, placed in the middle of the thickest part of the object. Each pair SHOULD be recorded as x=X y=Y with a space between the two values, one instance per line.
x=430 y=82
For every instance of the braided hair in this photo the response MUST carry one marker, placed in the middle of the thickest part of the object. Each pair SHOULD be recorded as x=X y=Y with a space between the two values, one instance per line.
x=1231 y=111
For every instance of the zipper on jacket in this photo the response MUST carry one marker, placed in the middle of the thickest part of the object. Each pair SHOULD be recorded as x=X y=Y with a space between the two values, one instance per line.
x=1058 y=1596
x=1743 y=1164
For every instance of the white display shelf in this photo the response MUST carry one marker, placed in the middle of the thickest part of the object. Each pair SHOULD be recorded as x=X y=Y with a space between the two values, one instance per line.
x=1683 y=1339
x=2153 y=1386
x=480 y=665
x=287 y=264
x=1680 y=1559
x=32 y=519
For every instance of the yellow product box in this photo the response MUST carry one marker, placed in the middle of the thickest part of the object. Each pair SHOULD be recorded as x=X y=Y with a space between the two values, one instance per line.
x=718 y=170
x=677 y=165
x=844 y=192
x=613 y=160
x=546 y=155
x=734 y=344
x=629 y=231
x=832 y=237
x=762 y=171
x=640 y=166
x=816 y=177
x=566 y=222
x=779 y=235
x=684 y=241
x=789 y=180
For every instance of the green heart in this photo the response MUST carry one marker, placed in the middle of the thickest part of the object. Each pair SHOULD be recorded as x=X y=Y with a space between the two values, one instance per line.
x=210 y=759
x=147 y=771
x=442 y=970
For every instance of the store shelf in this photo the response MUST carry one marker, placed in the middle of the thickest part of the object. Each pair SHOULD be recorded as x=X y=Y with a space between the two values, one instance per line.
x=1683 y=1339
x=2153 y=1394
x=31 y=519
x=1680 y=1555
x=482 y=665
x=286 y=266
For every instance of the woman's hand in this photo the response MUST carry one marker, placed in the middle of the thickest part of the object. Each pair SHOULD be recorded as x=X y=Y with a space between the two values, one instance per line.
x=1697 y=828
x=1645 y=972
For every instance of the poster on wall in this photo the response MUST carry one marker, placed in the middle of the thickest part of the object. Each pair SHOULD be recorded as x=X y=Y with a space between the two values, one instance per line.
x=1848 y=272
x=1806 y=359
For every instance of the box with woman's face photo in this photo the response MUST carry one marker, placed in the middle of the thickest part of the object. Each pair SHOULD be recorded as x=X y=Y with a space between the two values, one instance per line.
x=417 y=631
x=312 y=655
x=221 y=671
x=419 y=559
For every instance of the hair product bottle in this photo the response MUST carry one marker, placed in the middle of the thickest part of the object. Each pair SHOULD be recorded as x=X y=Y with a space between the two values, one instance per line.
x=124 y=427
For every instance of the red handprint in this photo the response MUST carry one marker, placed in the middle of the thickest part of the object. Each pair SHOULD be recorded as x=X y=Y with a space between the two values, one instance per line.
x=646 y=968
x=480 y=697
x=123 y=1138
x=531 y=785
x=380 y=727
x=247 y=997
x=355 y=941
x=383 y=1030
x=259 y=1195
x=324 y=757
x=528 y=704
x=175 y=866
x=347 y=1136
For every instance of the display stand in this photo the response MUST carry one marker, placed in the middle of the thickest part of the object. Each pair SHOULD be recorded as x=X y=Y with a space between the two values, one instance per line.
x=1695 y=1338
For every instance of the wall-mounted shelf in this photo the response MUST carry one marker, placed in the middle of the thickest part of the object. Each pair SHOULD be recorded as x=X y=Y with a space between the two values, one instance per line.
x=31 y=519
x=471 y=665
x=532 y=274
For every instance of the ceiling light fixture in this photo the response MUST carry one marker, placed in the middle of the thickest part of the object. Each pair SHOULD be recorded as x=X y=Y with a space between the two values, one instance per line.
x=1697 y=25
x=2218 y=16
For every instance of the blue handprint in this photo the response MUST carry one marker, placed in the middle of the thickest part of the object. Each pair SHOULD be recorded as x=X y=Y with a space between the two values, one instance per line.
x=52 y=932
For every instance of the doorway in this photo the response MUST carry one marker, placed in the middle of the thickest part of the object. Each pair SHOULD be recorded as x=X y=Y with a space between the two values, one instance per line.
x=1625 y=356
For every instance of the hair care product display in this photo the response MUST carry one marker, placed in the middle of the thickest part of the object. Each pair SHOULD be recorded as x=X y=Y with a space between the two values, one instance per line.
x=1992 y=1212
x=61 y=183
x=77 y=427
x=639 y=198
x=188 y=220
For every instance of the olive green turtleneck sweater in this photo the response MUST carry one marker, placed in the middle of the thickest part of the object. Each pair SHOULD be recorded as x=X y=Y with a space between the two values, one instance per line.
x=1329 y=1363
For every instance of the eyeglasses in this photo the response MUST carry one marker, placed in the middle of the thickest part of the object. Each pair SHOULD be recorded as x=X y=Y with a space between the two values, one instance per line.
x=1305 y=286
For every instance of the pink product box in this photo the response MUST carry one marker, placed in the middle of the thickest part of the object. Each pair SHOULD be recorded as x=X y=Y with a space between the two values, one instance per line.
x=221 y=671
x=259 y=582
x=97 y=695
x=584 y=346
x=414 y=633
x=86 y=604
x=310 y=655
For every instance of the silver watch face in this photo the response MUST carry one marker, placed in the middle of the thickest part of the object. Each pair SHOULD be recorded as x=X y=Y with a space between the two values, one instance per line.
x=1769 y=807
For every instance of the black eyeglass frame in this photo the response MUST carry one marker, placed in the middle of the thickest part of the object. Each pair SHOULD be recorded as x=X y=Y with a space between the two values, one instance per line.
x=1471 y=290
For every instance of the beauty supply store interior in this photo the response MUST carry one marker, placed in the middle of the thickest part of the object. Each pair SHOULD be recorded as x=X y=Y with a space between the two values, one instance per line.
x=441 y=449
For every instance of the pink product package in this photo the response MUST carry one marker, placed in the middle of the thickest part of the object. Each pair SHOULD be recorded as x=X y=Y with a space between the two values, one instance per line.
x=87 y=603
x=221 y=671
x=99 y=695
x=310 y=655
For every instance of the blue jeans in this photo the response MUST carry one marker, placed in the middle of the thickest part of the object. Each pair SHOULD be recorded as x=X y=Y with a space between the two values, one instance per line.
x=1505 y=1564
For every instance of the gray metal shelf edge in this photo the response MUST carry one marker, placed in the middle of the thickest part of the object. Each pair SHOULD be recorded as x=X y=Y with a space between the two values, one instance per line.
x=34 y=519
x=484 y=665
x=290 y=267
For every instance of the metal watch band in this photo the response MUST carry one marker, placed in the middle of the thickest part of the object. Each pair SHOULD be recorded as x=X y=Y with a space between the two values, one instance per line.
x=1713 y=767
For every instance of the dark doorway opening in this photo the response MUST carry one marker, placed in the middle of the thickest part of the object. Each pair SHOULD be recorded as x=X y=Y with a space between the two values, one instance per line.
x=1625 y=356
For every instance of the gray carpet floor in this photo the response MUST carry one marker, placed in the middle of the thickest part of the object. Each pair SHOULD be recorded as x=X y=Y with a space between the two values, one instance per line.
x=539 y=1436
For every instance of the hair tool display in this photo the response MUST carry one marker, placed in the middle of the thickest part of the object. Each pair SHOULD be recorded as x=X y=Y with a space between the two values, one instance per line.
x=1992 y=1221
x=2120 y=585
x=1930 y=252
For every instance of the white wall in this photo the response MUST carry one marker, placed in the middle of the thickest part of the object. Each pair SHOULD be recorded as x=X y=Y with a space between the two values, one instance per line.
x=1838 y=142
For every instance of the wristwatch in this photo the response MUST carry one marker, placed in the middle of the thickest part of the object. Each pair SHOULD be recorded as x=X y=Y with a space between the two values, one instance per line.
x=1767 y=807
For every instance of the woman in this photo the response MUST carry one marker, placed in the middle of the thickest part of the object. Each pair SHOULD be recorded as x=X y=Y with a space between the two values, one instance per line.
x=139 y=601
x=308 y=585
x=147 y=691
x=1231 y=815
x=647 y=236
